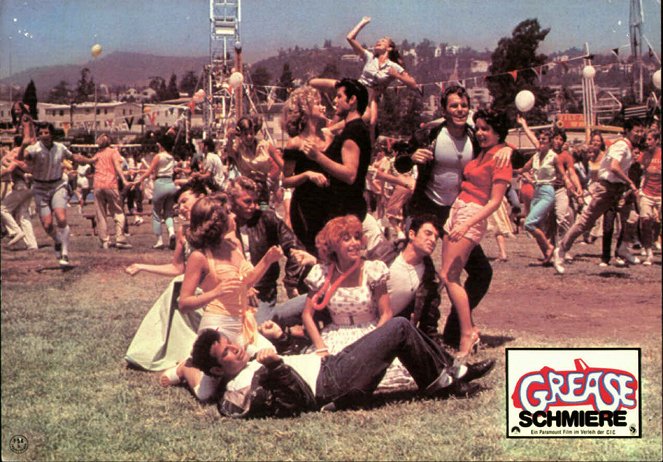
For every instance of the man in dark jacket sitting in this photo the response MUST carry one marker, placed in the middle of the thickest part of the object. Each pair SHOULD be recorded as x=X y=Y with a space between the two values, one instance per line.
x=258 y=230
x=284 y=386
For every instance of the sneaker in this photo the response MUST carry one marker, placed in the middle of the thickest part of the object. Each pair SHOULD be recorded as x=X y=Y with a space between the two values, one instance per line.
x=158 y=246
x=604 y=264
x=172 y=241
x=105 y=245
x=123 y=245
x=558 y=260
x=64 y=260
x=649 y=257
x=620 y=262
x=643 y=252
x=568 y=257
x=623 y=252
x=138 y=221
x=17 y=237
x=127 y=234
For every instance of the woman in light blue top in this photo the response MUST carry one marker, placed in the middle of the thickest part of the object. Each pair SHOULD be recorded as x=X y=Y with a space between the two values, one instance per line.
x=163 y=198
x=540 y=170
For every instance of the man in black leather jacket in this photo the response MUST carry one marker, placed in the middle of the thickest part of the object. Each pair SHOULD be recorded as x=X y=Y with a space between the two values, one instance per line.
x=285 y=386
x=258 y=230
x=440 y=158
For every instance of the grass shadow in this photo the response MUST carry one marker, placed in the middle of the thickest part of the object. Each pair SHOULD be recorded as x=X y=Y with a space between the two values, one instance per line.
x=495 y=341
x=614 y=274
x=64 y=269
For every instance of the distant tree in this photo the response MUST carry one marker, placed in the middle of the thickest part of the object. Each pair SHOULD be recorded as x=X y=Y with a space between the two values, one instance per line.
x=162 y=93
x=400 y=113
x=285 y=82
x=85 y=88
x=188 y=83
x=260 y=78
x=405 y=45
x=515 y=53
x=425 y=49
x=327 y=44
x=330 y=71
x=60 y=94
x=568 y=102
x=30 y=99
x=158 y=84
x=171 y=91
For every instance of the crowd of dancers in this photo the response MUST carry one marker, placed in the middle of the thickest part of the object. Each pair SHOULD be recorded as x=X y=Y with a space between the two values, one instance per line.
x=363 y=305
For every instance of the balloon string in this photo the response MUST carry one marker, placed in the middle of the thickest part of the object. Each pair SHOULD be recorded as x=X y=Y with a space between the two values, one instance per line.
x=322 y=297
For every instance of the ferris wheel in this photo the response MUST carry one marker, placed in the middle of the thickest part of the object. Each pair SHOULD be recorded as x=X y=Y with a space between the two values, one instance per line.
x=223 y=74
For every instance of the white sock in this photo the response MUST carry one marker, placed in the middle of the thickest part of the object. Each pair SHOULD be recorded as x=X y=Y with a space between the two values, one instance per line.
x=171 y=232
x=63 y=234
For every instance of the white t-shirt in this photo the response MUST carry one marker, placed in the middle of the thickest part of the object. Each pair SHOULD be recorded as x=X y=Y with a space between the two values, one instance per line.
x=403 y=282
x=213 y=164
x=450 y=157
x=377 y=76
x=621 y=152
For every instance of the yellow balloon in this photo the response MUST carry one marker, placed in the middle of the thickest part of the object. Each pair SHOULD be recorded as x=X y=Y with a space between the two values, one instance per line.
x=96 y=50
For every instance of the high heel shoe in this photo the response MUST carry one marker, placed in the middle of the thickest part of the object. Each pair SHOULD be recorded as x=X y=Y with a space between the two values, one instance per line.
x=474 y=340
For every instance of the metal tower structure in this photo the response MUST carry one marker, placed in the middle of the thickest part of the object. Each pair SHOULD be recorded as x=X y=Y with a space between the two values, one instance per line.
x=222 y=101
x=636 y=19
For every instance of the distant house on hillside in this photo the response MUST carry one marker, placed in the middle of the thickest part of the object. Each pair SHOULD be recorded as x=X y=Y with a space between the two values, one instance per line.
x=479 y=97
x=452 y=49
x=413 y=53
x=479 y=66
x=351 y=58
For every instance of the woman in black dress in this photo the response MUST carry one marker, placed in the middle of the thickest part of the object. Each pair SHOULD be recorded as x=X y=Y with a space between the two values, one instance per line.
x=304 y=119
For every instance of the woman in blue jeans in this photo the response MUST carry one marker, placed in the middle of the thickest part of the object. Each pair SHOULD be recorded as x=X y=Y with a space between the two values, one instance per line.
x=163 y=197
x=540 y=170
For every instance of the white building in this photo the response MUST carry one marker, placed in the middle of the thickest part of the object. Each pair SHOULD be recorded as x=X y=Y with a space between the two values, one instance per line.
x=479 y=66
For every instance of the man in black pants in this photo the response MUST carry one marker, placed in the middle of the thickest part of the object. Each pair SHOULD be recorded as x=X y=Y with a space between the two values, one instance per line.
x=284 y=386
x=440 y=173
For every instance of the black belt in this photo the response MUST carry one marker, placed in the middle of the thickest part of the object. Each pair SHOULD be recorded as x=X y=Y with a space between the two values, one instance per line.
x=47 y=181
x=167 y=176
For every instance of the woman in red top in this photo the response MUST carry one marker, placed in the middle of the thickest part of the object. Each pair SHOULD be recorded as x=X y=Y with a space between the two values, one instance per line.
x=482 y=190
x=650 y=194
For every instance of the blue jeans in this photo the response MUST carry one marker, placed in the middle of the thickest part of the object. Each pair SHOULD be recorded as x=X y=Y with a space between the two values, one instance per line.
x=542 y=203
x=290 y=311
x=356 y=370
x=163 y=200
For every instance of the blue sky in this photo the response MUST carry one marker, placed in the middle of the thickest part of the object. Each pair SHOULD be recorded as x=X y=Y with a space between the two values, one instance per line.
x=46 y=32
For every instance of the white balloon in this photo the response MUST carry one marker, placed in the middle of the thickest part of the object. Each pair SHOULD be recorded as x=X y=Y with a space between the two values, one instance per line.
x=656 y=79
x=525 y=101
x=236 y=79
x=588 y=72
x=96 y=50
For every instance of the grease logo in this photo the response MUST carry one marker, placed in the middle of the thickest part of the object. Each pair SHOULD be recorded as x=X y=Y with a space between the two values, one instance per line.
x=573 y=393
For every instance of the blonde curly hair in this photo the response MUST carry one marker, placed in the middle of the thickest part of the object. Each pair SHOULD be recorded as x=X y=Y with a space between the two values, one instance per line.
x=297 y=108
x=328 y=239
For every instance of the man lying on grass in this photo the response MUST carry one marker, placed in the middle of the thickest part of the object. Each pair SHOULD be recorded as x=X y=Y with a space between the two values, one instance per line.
x=282 y=386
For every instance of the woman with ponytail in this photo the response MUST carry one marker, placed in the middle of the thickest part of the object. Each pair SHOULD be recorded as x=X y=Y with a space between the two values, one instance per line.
x=382 y=66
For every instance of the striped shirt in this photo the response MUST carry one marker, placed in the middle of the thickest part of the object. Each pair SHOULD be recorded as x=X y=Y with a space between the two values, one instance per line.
x=47 y=163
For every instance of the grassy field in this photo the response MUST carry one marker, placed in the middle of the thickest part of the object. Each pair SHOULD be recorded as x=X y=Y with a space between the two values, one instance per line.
x=66 y=388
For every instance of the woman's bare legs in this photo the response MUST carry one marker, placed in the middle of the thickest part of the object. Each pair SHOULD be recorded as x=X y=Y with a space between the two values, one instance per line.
x=454 y=258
